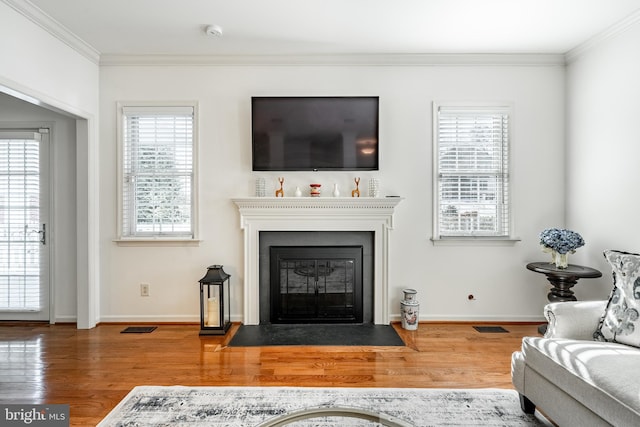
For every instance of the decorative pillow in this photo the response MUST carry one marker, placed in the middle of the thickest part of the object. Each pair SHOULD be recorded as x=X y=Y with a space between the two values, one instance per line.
x=621 y=319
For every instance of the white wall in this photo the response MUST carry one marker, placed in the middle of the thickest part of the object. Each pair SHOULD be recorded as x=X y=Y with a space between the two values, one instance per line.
x=603 y=152
x=61 y=233
x=44 y=69
x=443 y=276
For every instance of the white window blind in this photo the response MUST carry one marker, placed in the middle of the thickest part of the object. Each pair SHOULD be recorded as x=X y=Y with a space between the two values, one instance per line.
x=157 y=172
x=472 y=172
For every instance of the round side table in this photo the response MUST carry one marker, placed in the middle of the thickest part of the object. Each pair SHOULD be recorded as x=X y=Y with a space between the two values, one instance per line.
x=562 y=280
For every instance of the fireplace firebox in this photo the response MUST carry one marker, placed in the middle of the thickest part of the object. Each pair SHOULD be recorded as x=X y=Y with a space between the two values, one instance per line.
x=316 y=284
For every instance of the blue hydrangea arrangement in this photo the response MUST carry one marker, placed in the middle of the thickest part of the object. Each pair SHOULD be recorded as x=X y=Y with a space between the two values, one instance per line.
x=561 y=240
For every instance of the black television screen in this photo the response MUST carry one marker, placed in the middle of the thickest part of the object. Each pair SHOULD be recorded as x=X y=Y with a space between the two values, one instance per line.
x=314 y=133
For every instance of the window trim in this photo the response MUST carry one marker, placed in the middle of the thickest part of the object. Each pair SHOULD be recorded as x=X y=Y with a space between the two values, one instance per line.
x=470 y=239
x=151 y=240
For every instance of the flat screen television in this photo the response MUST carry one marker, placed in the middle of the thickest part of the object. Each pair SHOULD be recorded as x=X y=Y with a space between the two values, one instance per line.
x=314 y=133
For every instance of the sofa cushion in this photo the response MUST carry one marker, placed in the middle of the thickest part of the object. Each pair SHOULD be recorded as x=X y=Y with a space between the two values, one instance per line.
x=603 y=376
x=621 y=319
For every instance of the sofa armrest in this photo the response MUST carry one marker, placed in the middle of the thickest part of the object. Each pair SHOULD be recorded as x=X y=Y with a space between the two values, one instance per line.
x=573 y=319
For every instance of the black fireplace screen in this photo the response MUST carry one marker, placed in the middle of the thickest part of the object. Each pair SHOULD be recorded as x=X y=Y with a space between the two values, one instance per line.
x=316 y=284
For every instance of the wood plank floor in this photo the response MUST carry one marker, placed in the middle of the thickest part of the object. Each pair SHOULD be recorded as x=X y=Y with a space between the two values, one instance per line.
x=92 y=370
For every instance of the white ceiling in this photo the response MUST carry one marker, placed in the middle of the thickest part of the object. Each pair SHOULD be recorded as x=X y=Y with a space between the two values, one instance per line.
x=330 y=27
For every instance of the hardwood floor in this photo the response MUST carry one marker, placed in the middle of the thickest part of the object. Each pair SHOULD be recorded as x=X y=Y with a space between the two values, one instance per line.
x=92 y=370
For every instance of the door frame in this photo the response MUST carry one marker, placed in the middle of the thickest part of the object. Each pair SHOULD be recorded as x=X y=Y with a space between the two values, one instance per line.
x=87 y=202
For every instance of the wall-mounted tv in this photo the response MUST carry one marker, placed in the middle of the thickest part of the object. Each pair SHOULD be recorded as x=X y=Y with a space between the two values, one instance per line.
x=314 y=133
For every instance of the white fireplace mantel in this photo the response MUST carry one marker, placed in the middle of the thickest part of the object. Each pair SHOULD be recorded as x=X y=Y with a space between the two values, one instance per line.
x=316 y=214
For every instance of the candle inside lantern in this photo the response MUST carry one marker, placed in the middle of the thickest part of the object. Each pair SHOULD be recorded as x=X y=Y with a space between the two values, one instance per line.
x=213 y=312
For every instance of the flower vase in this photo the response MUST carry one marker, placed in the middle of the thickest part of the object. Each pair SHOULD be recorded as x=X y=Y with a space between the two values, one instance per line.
x=560 y=260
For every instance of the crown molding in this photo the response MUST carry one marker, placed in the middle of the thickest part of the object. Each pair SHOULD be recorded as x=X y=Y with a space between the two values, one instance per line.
x=55 y=28
x=461 y=59
x=602 y=37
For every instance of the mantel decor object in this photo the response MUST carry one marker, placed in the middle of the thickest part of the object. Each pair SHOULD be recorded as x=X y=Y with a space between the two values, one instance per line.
x=215 y=318
x=560 y=242
x=315 y=190
x=374 y=187
x=260 y=187
x=356 y=192
x=409 y=310
x=280 y=191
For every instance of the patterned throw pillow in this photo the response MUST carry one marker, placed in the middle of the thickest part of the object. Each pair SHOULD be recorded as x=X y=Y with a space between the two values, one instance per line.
x=621 y=319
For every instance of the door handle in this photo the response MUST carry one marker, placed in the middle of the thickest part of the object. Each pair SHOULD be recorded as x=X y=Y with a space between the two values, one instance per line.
x=43 y=234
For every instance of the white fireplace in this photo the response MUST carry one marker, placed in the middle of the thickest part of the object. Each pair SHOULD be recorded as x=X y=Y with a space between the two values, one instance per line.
x=316 y=214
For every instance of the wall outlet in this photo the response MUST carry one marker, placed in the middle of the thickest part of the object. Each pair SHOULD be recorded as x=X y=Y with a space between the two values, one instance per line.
x=144 y=289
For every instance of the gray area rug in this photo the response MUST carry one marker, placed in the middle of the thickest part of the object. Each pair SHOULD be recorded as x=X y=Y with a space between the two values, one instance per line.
x=252 y=406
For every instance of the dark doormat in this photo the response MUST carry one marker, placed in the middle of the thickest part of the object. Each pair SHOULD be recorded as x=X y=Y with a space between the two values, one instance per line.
x=138 y=329
x=313 y=334
x=490 y=329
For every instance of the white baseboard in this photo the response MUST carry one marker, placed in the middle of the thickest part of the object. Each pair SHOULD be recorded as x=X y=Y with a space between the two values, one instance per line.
x=190 y=318
x=71 y=318
x=474 y=318
x=154 y=318
x=239 y=318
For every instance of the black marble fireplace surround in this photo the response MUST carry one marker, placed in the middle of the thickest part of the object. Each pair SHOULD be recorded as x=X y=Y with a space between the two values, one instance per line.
x=269 y=239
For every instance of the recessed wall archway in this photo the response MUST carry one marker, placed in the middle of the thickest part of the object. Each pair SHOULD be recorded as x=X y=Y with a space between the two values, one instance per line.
x=86 y=229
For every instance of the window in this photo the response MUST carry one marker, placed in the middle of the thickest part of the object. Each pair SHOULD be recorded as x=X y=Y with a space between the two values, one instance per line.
x=157 y=172
x=471 y=194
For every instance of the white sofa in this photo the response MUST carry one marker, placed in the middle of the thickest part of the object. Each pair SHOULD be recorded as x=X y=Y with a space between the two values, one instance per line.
x=574 y=380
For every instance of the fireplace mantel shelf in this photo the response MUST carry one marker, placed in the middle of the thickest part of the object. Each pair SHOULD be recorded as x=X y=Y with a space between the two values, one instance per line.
x=317 y=202
x=316 y=214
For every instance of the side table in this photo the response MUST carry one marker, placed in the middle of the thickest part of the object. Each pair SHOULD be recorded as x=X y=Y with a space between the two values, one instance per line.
x=562 y=280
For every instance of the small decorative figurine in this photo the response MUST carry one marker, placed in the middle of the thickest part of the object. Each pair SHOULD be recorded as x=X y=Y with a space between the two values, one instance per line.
x=280 y=192
x=356 y=192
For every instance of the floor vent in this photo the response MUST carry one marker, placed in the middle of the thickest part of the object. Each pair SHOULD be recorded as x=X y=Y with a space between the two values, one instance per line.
x=138 y=329
x=490 y=329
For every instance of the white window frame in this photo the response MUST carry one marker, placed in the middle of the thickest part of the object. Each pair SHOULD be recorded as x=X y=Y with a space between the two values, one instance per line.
x=504 y=233
x=126 y=236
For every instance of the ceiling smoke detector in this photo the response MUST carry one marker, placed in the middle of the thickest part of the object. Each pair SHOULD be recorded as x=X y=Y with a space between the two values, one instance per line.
x=213 y=30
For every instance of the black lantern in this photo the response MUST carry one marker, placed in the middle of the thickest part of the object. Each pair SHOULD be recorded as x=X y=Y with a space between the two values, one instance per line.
x=215 y=318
